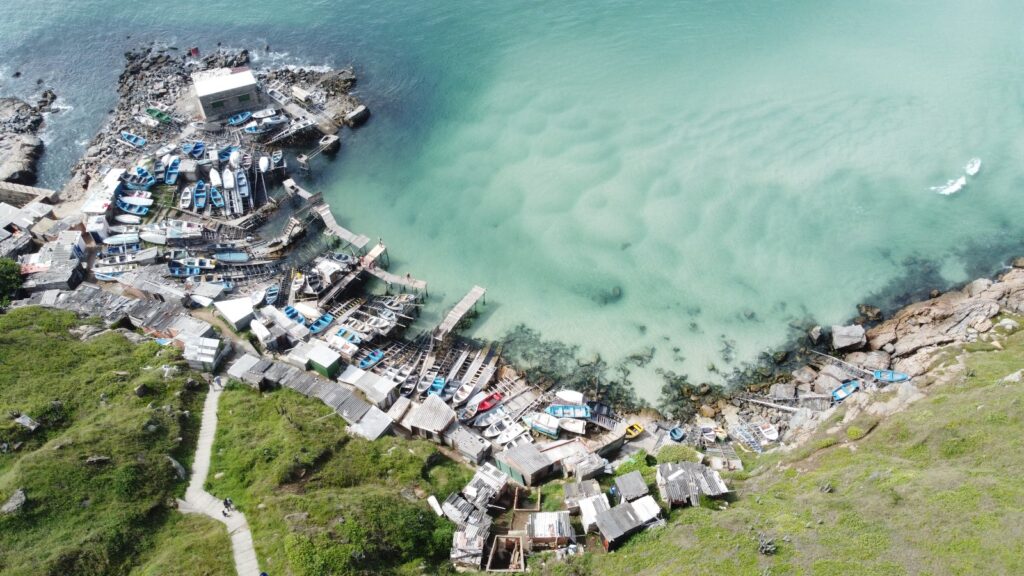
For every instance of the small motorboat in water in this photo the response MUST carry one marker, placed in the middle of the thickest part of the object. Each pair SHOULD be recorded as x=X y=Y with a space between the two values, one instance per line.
x=973 y=166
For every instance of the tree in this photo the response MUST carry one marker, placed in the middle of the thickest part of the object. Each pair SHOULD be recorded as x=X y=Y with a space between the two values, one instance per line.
x=10 y=280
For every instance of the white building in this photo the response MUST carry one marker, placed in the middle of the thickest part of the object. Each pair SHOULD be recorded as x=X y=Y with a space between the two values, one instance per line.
x=224 y=91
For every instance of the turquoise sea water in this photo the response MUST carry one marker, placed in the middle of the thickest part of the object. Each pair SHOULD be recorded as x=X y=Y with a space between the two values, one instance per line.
x=691 y=176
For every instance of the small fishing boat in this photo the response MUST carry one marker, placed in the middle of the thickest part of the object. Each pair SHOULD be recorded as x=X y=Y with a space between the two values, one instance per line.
x=224 y=154
x=185 y=201
x=130 y=208
x=183 y=271
x=568 y=410
x=199 y=196
x=256 y=128
x=133 y=139
x=136 y=200
x=294 y=315
x=146 y=121
x=216 y=198
x=273 y=291
x=265 y=113
x=472 y=407
x=510 y=433
x=464 y=392
x=349 y=335
x=159 y=115
x=973 y=166
x=890 y=376
x=543 y=422
x=242 y=183
x=764 y=429
x=499 y=426
x=274 y=121
x=486 y=418
x=239 y=119
x=215 y=179
x=114 y=250
x=232 y=257
x=426 y=381
x=372 y=359
x=321 y=324
x=844 y=390
x=228 y=178
x=171 y=172
x=141 y=179
x=677 y=434
x=194 y=149
x=264 y=163
x=116 y=270
x=573 y=425
x=437 y=386
x=489 y=402
x=127 y=219
x=276 y=157
x=121 y=239
x=201 y=263
x=634 y=430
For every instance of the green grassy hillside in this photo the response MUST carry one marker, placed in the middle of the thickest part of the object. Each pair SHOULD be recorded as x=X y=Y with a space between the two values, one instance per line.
x=932 y=490
x=108 y=516
x=321 y=502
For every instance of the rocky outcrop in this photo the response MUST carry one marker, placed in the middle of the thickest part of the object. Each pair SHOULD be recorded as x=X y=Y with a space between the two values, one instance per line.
x=848 y=337
x=20 y=148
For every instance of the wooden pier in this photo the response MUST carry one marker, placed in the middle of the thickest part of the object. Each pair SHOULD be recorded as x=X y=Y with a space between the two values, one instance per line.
x=459 y=312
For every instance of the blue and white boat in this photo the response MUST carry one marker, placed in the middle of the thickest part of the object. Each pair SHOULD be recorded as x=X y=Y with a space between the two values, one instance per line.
x=242 y=184
x=199 y=195
x=256 y=128
x=171 y=172
x=272 y=293
x=321 y=324
x=294 y=315
x=349 y=335
x=568 y=410
x=141 y=179
x=131 y=208
x=240 y=118
x=216 y=198
x=845 y=390
x=277 y=120
x=372 y=359
x=225 y=153
x=133 y=139
x=890 y=376
x=194 y=149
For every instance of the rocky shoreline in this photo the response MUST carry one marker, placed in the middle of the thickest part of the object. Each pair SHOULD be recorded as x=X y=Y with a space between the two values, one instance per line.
x=20 y=144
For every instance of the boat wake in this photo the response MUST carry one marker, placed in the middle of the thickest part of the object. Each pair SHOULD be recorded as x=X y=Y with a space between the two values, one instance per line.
x=955 y=185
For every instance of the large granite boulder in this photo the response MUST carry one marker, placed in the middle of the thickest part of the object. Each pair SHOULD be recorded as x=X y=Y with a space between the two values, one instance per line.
x=848 y=337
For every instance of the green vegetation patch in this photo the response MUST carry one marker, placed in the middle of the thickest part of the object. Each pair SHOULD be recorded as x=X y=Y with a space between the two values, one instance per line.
x=322 y=502
x=96 y=472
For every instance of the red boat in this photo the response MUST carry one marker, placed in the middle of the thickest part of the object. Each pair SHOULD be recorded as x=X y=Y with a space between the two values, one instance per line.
x=489 y=402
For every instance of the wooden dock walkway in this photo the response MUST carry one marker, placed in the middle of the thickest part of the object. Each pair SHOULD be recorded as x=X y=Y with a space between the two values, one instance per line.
x=459 y=312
